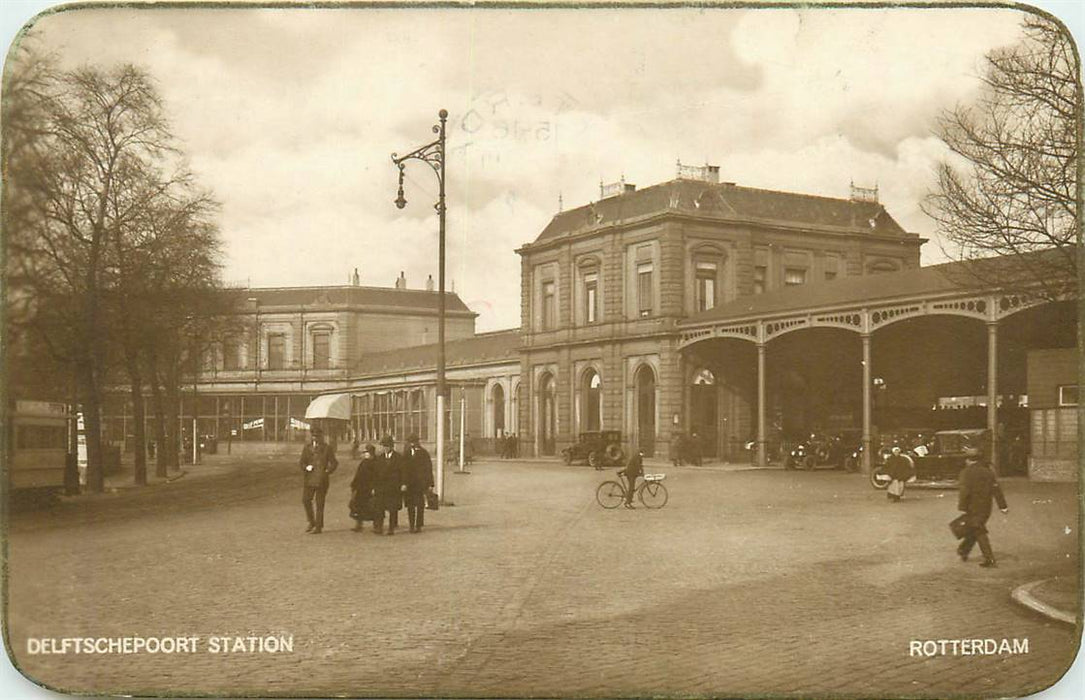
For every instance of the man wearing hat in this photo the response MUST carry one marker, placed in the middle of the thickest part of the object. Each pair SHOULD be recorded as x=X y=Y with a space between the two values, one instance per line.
x=978 y=486
x=388 y=487
x=317 y=462
x=419 y=482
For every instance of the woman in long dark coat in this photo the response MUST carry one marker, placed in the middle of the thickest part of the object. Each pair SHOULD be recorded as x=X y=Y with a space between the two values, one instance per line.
x=361 y=499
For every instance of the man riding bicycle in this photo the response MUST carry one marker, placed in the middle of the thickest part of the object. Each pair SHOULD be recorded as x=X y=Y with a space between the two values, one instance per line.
x=633 y=469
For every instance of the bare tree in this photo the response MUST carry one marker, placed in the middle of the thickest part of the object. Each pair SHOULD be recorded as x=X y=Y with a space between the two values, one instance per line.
x=1010 y=187
x=106 y=231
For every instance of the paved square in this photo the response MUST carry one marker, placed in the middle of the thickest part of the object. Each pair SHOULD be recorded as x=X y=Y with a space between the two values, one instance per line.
x=746 y=582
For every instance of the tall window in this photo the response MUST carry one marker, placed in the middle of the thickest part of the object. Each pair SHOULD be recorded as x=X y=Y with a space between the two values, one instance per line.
x=794 y=276
x=499 y=410
x=1068 y=395
x=230 y=355
x=322 y=350
x=644 y=289
x=276 y=351
x=591 y=297
x=706 y=285
x=549 y=306
x=760 y=275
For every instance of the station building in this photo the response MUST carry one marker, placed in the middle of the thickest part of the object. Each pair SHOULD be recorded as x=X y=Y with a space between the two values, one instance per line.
x=742 y=316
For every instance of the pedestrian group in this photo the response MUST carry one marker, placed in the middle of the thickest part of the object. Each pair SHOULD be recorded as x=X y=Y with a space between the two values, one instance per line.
x=383 y=484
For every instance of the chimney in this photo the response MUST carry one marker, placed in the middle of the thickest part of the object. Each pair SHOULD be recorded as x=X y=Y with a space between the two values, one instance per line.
x=401 y=282
x=355 y=280
x=429 y=283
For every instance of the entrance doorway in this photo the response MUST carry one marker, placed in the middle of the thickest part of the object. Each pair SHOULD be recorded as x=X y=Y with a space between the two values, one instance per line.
x=704 y=412
x=645 y=383
x=548 y=422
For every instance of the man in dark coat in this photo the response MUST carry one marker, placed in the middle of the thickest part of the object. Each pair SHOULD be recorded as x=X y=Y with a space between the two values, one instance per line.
x=978 y=486
x=419 y=477
x=633 y=469
x=388 y=487
x=361 y=499
x=317 y=462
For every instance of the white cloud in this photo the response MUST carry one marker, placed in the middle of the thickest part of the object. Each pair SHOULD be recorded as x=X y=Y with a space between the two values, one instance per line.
x=290 y=117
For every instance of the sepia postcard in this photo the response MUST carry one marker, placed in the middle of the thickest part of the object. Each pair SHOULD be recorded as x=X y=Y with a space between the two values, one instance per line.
x=542 y=350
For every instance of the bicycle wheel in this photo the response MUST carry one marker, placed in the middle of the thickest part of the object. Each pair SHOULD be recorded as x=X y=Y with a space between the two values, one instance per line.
x=610 y=494
x=653 y=494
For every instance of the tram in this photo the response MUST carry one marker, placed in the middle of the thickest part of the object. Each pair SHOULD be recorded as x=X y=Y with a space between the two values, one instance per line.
x=37 y=443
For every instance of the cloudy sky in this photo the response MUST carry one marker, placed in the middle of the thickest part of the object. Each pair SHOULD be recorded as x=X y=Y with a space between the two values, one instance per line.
x=289 y=117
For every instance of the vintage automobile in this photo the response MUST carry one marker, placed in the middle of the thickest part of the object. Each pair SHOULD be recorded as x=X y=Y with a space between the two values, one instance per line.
x=601 y=448
x=939 y=461
x=822 y=450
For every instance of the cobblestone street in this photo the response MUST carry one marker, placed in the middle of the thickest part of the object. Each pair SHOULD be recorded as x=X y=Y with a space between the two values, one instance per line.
x=758 y=581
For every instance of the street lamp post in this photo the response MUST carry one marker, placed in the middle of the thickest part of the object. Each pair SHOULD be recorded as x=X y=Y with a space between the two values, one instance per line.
x=433 y=154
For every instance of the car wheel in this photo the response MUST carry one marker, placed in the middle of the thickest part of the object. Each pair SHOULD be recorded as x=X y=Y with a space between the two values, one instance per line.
x=809 y=462
x=879 y=479
x=567 y=456
x=851 y=464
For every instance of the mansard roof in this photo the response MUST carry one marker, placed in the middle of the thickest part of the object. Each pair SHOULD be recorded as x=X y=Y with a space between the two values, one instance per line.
x=727 y=202
x=497 y=346
x=374 y=299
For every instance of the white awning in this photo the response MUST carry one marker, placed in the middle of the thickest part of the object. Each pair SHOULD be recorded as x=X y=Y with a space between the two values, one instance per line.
x=330 y=406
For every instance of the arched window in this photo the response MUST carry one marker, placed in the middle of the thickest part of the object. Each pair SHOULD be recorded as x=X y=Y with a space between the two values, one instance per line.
x=592 y=401
x=645 y=383
x=498 y=410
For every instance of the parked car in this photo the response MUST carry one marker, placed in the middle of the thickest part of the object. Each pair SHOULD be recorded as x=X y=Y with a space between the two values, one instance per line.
x=599 y=448
x=939 y=461
x=825 y=450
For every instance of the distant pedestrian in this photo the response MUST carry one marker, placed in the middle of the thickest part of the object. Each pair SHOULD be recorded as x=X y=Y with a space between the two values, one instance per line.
x=388 y=488
x=678 y=448
x=978 y=486
x=634 y=468
x=361 y=497
x=419 y=478
x=317 y=463
x=900 y=468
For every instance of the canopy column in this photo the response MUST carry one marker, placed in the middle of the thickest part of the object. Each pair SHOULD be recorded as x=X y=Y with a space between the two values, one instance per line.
x=992 y=391
x=761 y=441
x=867 y=379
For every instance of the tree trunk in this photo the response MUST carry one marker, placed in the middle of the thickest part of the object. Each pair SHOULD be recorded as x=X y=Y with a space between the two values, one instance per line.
x=159 y=414
x=173 y=418
x=92 y=426
x=138 y=413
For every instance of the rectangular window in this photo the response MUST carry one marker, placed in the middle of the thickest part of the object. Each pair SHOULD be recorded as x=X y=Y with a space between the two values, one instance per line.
x=276 y=351
x=230 y=355
x=322 y=350
x=794 y=276
x=1068 y=395
x=706 y=285
x=591 y=297
x=760 y=274
x=549 y=306
x=644 y=289
x=830 y=275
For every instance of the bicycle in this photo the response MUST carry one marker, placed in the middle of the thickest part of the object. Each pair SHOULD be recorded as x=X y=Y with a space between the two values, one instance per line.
x=651 y=492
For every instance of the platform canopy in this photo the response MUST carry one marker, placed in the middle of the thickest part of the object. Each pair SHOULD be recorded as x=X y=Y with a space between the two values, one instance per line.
x=329 y=406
